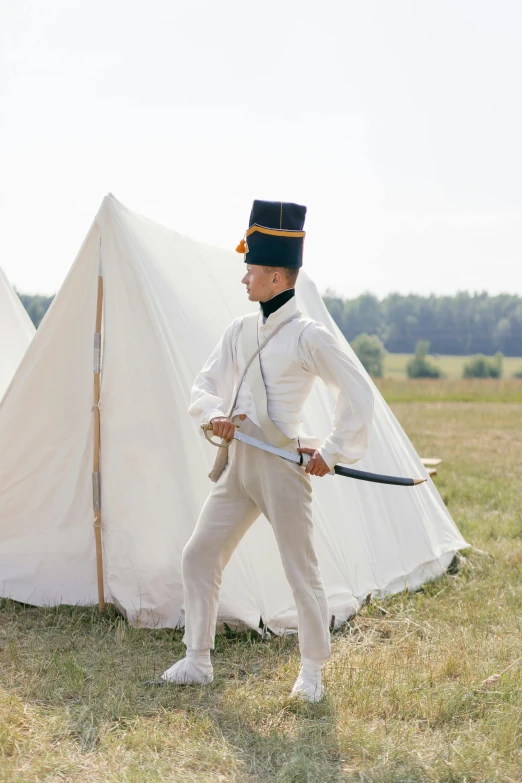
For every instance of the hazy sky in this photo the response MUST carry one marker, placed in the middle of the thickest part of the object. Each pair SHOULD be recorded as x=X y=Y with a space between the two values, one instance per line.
x=397 y=122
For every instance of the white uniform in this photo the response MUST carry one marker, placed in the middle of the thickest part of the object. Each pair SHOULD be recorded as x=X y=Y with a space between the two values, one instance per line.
x=256 y=482
x=290 y=362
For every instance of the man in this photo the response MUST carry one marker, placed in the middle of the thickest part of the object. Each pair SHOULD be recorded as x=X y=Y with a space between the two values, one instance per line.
x=267 y=405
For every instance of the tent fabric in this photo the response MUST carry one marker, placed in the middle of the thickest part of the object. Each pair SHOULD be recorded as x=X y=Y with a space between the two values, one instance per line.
x=167 y=300
x=16 y=332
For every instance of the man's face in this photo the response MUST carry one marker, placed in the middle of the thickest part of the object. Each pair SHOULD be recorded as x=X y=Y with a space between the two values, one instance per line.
x=260 y=284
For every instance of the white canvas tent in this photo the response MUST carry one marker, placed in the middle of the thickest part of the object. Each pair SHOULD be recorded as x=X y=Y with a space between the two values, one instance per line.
x=167 y=299
x=16 y=332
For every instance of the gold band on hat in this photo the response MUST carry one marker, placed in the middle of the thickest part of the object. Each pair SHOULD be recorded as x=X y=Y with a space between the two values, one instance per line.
x=275 y=232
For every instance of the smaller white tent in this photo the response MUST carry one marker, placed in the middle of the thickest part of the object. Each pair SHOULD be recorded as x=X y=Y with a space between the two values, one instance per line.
x=16 y=332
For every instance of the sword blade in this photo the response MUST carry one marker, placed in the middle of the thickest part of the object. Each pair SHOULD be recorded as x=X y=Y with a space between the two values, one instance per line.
x=258 y=444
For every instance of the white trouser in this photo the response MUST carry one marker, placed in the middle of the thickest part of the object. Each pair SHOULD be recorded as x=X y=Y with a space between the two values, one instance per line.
x=255 y=482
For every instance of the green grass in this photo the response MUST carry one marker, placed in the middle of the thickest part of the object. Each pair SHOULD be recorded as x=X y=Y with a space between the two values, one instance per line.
x=404 y=704
x=450 y=390
x=451 y=366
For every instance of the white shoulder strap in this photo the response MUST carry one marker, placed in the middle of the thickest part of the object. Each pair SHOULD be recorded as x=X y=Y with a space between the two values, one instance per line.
x=256 y=382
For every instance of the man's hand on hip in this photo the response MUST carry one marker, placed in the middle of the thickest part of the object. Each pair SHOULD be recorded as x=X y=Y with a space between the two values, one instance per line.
x=223 y=428
x=317 y=466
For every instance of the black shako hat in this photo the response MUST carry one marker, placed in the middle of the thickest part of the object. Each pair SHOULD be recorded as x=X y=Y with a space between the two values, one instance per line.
x=275 y=235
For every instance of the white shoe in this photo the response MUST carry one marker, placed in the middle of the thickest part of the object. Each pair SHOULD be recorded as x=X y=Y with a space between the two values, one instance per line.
x=309 y=688
x=187 y=672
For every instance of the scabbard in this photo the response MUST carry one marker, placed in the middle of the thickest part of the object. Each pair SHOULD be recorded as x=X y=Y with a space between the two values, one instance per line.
x=220 y=464
x=377 y=478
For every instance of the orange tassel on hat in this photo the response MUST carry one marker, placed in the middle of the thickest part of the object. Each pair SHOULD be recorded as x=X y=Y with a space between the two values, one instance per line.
x=242 y=247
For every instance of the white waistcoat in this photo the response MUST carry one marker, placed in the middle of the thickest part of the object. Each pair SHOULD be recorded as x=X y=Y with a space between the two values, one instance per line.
x=287 y=382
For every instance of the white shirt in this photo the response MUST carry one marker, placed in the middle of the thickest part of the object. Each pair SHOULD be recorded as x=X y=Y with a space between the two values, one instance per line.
x=290 y=363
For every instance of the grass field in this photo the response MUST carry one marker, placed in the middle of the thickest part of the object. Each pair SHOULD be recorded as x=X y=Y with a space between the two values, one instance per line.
x=404 y=704
x=451 y=366
x=480 y=390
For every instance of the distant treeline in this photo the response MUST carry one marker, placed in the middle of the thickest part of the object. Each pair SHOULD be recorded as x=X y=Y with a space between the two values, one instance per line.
x=458 y=325
x=36 y=306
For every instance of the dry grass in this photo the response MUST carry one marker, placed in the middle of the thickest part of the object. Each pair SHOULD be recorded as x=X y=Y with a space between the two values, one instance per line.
x=404 y=699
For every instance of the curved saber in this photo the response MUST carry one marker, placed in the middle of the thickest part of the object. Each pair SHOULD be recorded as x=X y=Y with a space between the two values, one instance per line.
x=304 y=459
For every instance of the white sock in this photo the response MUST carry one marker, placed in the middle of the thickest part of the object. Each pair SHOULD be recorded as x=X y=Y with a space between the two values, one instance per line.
x=196 y=667
x=309 y=681
x=199 y=657
x=311 y=668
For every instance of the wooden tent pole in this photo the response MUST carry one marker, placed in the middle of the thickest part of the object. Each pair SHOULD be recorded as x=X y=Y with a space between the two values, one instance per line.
x=96 y=487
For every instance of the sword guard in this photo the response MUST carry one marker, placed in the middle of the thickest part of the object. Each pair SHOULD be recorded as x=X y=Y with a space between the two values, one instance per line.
x=207 y=429
x=305 y=459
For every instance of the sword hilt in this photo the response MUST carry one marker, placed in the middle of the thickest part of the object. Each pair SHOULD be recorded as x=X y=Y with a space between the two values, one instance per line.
x=207 y=428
